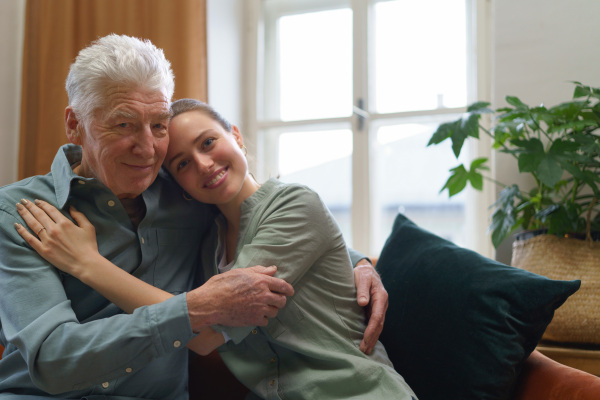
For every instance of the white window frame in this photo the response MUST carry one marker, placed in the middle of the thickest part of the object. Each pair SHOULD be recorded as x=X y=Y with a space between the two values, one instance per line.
x=362 y=221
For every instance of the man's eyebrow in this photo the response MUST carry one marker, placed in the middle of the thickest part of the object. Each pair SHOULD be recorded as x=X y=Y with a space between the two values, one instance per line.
x=165 y=115
x=123 y=114
x=133 y=115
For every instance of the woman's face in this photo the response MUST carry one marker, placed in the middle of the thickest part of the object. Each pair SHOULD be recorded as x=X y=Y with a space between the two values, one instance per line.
x=206 y=160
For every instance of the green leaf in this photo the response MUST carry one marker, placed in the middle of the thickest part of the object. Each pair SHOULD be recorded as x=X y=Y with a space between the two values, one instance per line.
x=476 y=180
x=467 y=126
x=504 y=218
x=581 y=91
x=530 y=153
x=575 y=126
x=515 y=102
x=564 y=147
x=549 y=171
x=474 y=176
x=560 y=218
x=443 y=132
x=585 y=91
x=529 y=162
x=457 y=180
x=480 y=107
x=478 y=164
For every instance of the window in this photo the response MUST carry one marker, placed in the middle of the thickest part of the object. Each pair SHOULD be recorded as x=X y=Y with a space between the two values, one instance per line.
x=347 y=94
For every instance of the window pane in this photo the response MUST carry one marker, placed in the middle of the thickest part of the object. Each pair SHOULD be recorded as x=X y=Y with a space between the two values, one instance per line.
x=420 y=55
x=408 y=178
x=315 y=65
x=321 y=160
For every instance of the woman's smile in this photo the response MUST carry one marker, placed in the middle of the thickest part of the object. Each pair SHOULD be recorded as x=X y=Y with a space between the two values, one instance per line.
x=217 y=178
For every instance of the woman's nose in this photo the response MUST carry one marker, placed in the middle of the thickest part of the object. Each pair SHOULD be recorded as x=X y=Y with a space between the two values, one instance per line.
x=205 y=162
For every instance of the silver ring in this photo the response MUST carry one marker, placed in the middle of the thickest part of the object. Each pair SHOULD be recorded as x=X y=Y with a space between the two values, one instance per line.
x=41 y=229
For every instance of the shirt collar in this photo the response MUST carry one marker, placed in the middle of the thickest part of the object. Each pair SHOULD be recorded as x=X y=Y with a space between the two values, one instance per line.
x=62 y=172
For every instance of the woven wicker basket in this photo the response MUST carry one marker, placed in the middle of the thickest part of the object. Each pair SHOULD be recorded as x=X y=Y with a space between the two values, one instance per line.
x=578 y=320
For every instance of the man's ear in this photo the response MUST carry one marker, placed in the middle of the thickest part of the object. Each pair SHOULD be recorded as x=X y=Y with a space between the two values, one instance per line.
x=72 y=126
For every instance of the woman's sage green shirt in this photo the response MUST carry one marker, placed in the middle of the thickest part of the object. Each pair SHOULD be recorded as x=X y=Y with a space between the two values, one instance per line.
x=311 y=349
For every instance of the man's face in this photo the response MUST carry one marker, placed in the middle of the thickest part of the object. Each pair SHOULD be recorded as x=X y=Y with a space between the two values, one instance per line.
x=125 y=143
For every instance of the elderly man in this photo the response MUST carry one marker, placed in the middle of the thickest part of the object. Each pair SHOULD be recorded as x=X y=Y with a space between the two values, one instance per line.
x=64 y=340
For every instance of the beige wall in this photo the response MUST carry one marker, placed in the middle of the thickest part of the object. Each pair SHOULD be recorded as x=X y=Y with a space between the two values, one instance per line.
x=12 y=14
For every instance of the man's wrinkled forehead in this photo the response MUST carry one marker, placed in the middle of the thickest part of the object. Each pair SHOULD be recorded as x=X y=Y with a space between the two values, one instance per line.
x=134 y=104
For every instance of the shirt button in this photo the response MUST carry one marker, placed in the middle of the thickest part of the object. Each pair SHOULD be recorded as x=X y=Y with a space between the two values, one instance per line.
x=81 y=182
x=272 y=383
x=105 y=385
x=177 y=344
x=111 y=203
x=128 y=370
x=143 y=241
x=254 y=331
x=272 y=360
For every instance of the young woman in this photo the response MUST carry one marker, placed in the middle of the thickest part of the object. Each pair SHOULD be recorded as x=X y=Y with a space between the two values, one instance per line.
x=311 y=349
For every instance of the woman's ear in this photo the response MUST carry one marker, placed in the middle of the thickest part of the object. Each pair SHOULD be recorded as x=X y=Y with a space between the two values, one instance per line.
x=72 y=127
x=237 y=135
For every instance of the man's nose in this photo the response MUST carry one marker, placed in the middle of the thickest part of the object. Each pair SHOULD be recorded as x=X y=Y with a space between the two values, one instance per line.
x=144 y=144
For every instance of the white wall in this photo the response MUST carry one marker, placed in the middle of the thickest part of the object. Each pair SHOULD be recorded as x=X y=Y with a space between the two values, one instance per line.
x=12 y=16
x=225 y=23
x=539 y=47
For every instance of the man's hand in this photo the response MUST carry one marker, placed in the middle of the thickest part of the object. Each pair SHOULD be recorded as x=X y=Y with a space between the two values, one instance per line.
x=240 y=297
x=372 y=295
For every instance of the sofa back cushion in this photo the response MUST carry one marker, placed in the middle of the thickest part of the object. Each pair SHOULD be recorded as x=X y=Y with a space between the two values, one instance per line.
x=459 y=325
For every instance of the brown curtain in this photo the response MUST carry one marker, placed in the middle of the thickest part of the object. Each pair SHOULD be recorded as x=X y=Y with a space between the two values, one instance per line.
x=56 y=30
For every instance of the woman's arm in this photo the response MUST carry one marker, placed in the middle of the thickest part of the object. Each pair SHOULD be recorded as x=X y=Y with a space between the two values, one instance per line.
x=72 y=248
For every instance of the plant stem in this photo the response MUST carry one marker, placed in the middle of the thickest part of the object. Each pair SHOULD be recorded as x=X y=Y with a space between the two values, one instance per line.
x=487 y=178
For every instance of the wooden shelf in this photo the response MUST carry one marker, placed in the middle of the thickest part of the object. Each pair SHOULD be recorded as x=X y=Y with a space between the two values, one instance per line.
x=585 y=360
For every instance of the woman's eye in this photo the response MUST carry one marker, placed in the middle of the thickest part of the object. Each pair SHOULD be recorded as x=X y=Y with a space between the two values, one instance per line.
x=182 y=164
x=208 y=142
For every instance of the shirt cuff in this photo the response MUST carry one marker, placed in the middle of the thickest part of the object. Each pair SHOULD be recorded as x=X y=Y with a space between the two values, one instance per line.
x=235 y=334
x=170 y=324
x=226 y=336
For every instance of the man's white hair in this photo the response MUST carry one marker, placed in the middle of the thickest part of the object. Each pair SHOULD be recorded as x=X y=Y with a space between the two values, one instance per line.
x=116 y=61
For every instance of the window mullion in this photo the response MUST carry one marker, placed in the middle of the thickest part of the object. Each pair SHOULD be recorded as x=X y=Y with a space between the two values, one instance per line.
x=361 y=196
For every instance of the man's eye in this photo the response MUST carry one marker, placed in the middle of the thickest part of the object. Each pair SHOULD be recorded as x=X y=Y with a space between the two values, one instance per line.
x=123 y=125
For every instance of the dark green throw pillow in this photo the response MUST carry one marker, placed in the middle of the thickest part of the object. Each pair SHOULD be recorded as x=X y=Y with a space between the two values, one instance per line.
x=459 y=325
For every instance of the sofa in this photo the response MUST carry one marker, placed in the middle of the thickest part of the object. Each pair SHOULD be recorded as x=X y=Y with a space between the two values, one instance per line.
x=540 y=379
x=459 y=327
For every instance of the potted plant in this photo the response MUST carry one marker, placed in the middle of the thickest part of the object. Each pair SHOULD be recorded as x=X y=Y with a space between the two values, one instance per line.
x=559 y=148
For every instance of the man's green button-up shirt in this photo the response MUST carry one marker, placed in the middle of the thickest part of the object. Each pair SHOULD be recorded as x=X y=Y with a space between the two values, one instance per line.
x=63 y=339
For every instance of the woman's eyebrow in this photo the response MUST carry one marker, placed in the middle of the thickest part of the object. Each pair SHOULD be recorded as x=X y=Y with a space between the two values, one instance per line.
x=199 y=137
